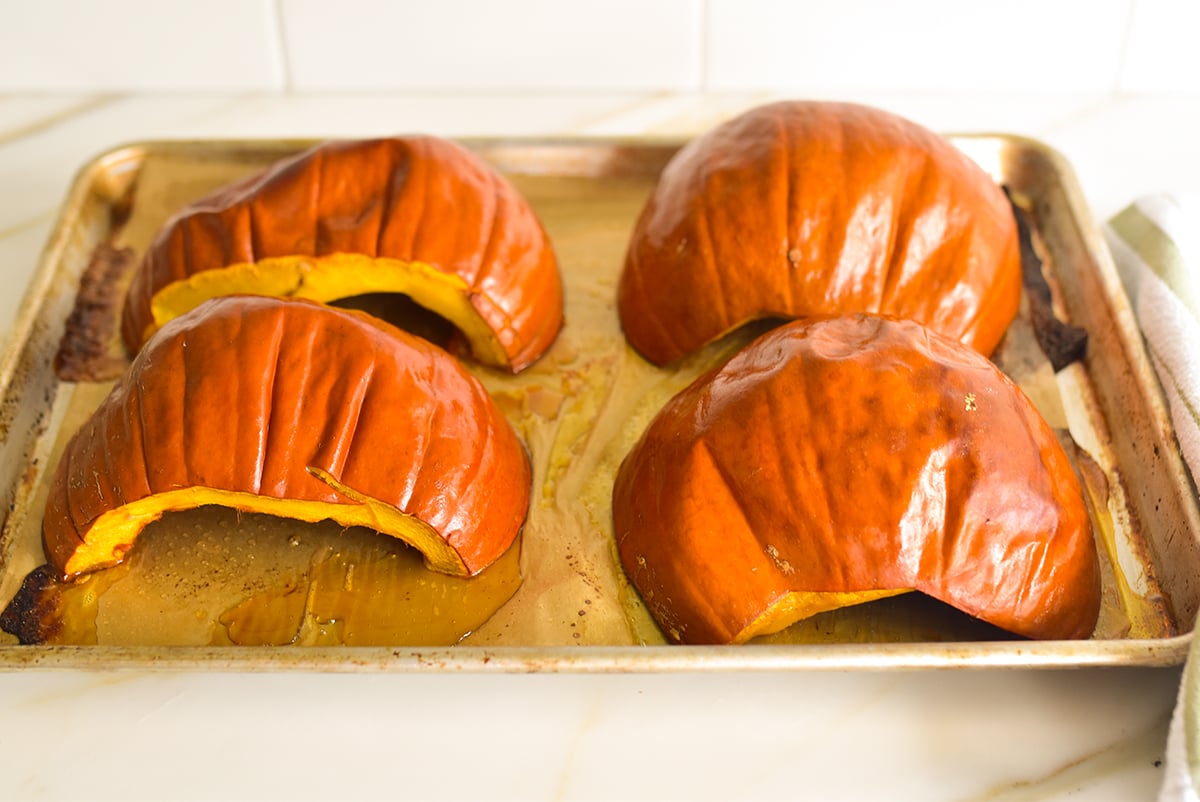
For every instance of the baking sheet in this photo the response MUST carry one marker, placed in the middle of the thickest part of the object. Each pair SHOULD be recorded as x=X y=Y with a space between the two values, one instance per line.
x=583 y=404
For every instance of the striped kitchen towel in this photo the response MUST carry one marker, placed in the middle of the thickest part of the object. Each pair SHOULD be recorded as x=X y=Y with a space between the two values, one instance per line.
x=1155 y=243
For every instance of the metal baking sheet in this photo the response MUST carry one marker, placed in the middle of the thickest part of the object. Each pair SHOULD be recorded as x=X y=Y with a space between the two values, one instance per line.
x=587 y=193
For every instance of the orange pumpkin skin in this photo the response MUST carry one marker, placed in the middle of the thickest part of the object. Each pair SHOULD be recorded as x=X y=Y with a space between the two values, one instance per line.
x=251 y=395
x=852 y=454
x=807 y=208
x=413 y=199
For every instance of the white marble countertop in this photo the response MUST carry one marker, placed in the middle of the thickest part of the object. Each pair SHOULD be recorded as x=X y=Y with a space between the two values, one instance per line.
x=1096 y=734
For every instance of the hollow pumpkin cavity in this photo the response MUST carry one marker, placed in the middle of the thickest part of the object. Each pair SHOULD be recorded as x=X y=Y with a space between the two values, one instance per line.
x=114 y=533
x=332 y=278
x=799 y=605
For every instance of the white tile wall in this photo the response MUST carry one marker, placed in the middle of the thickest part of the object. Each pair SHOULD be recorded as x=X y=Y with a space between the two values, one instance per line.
x=509 y=44
x=1162 y=52
x=1050 y=45
x=616 y=46
x=138 y=45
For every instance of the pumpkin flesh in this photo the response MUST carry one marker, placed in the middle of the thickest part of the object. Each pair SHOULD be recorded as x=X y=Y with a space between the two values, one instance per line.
x=113 y=533
x=333 y=278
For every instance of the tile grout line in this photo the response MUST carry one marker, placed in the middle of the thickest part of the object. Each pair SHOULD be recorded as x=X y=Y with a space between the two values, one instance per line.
x=284 y=55
x=37 y=126
x=1123 y=53
x=28 y=224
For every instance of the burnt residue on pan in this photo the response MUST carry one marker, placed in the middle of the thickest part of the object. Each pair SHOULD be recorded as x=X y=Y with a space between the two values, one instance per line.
x=28 y=616
x=1062 y=342
x=90 y=349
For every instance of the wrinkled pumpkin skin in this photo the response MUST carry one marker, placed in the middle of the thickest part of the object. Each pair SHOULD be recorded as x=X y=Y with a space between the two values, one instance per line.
x=855 y=455
x=300 y=410
x=806 y=208
x=418 y=215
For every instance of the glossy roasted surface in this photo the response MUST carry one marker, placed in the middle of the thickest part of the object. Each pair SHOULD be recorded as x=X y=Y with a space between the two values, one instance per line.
x=411 y=199
x=267 y=401
x=801 y=208
x=849 y=455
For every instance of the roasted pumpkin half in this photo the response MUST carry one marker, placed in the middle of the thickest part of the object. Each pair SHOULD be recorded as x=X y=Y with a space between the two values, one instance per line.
x=838 y=460
x=302 y=411
x=419 y=215
x=801 y=208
